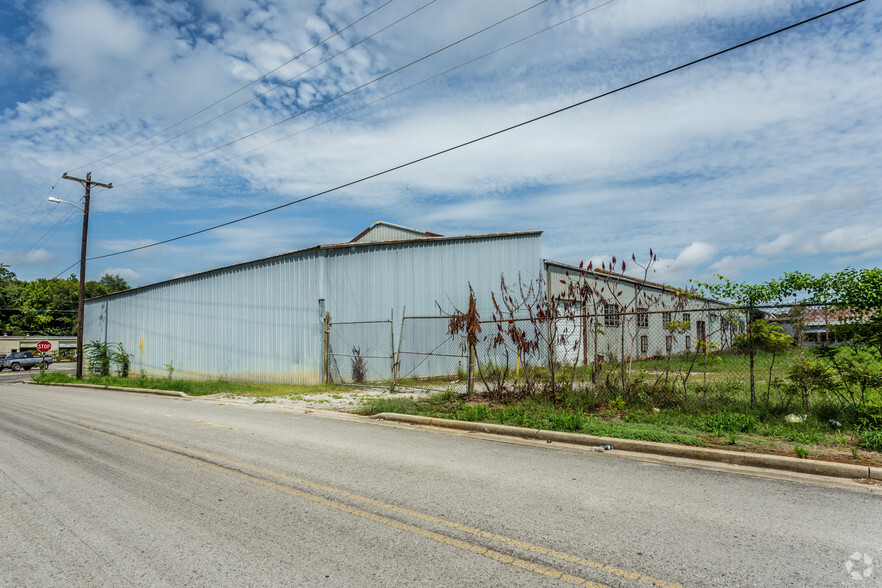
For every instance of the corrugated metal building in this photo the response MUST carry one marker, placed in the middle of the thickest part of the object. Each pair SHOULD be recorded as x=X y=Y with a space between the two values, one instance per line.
x=638 y=309
x=263 y=320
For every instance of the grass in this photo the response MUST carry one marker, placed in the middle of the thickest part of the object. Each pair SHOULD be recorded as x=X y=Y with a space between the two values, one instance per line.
x=193 y=387
x=733 y=425
x=763 y=430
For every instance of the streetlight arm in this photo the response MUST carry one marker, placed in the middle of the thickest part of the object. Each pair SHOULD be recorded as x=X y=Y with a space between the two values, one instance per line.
x=60 y=201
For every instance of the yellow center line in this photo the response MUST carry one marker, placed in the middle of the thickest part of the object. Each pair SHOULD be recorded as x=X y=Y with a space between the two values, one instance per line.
x=128 y=437
x=206 y=423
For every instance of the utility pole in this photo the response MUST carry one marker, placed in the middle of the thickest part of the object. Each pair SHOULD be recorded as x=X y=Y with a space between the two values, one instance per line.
x=88 y=183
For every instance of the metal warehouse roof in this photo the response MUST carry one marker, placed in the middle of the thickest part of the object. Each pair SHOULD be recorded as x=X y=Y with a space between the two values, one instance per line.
x=350 y=245
x=629 y=279
x=391 y=228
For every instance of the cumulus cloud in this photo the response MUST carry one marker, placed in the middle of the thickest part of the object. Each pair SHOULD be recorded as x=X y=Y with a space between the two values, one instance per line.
x=765 y=155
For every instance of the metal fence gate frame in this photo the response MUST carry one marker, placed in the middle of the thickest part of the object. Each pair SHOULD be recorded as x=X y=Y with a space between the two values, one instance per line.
x=367 y=347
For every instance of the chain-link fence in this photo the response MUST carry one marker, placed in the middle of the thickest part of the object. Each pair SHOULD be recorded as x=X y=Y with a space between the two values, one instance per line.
x=360 y=352
x=790 y=356
x=428 y=356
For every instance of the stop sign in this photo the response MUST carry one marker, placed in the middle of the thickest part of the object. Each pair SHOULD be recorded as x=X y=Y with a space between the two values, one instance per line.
x=44 y=346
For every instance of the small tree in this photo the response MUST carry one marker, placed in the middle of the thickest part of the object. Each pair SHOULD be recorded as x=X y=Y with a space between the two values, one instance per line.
x=98 y=358
x=359 y=366
x=121 y=360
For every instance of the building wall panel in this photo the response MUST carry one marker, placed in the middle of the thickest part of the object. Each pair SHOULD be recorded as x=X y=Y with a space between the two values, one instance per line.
x=263 y=321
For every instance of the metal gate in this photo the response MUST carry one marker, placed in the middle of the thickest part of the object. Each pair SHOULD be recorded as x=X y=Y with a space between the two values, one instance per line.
x=360 y=352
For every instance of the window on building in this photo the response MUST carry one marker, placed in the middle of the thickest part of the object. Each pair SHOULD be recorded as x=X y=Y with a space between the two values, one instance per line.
x=666 y=319
x=669 y=343
x=688 y=342
x=644 y=343
x=686 y=317
x=610 y=315
x=643 y=318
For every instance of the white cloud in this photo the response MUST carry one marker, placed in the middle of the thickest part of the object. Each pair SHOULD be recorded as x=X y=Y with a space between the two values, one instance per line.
x=765 y=155
x=680 y=269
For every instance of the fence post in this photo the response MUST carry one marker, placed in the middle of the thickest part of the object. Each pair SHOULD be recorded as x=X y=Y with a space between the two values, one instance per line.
x=327 y=366
x=397 y=363
x=625 y=387
x=471 y=379
x=392 y=351
x=752 y=354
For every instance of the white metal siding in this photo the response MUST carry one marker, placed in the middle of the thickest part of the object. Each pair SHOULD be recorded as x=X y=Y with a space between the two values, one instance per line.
x=385 y=232
x=262 y=321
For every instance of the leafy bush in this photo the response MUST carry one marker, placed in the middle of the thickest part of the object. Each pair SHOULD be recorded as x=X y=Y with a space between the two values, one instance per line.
x=868 y=415
x=730 y=422
x=98 y=357
x=870 y=438
x=121 y=360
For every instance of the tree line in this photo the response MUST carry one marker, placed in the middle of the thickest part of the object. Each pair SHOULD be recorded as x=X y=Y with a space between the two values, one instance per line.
x=47 y=306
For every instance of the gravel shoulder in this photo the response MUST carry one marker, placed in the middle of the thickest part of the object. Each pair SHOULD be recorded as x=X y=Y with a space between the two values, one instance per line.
x=344 y=401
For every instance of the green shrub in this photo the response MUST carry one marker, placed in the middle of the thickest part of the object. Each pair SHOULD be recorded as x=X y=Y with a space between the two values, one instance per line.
x=720 y=425
x=867 y=415
x=474 y=412
x=870 y=438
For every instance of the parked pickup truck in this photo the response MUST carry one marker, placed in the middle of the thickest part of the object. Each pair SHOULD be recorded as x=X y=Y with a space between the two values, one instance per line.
x=23 y=360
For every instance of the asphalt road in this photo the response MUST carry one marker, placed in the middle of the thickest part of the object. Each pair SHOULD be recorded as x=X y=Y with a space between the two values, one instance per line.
x=8 y=376
x=116 y=489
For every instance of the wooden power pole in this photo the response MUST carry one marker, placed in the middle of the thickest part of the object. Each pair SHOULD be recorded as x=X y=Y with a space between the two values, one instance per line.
x=88 y=183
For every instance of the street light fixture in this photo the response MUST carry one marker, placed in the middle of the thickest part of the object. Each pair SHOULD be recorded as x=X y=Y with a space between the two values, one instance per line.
x=60 y=201
x=88 y=183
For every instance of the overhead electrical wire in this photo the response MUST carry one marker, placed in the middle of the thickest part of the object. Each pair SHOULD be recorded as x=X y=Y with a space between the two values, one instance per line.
x=370 y=103
x=63 y=213
x=22 y=255
x=493 y=134
x=329 y=100
x=276 y=87
x=30 y=216
x=240 y=89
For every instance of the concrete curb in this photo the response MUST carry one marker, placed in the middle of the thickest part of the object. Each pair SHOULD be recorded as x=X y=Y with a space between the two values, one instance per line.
x=777 y=462
x=174 y=393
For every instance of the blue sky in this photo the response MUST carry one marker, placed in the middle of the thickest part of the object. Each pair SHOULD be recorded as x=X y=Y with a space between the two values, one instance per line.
x=761 y=161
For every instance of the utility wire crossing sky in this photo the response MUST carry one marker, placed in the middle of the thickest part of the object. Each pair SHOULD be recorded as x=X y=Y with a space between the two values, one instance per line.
x=746 y=162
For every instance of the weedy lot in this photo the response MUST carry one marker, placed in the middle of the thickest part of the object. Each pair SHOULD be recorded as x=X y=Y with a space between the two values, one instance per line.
x=855 y=437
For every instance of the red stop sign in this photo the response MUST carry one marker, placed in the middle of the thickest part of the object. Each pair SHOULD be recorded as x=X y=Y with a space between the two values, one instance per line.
x=44 y=346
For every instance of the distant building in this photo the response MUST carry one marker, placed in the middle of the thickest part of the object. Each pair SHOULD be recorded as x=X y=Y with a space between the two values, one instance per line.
x=815 y=326
x=61 y=346
x=627 y=317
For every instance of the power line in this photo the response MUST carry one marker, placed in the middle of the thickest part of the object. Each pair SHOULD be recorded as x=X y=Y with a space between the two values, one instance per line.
x=372 y=102
x=233 y=93
x=67 y=268
x=493 y=134
x=261 y=95
x=329 y=100
x=22 y=254
x=33 y=212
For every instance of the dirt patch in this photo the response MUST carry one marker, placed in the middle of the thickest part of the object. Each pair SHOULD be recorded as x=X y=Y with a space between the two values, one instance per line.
x=346 y=400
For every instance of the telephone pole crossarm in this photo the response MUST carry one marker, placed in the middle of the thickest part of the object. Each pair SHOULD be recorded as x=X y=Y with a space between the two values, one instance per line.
x=87 y=181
